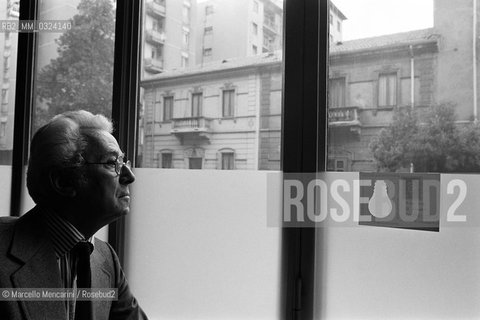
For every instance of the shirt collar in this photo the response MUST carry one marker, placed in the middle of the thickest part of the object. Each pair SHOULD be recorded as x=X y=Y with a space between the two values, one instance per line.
x=63 y=235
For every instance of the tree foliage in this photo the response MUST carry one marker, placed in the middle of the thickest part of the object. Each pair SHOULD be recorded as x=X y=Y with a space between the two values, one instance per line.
x=81 y=77
x=436 y=144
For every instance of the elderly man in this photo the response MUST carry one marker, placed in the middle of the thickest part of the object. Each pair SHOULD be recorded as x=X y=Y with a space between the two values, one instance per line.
x=78 y=178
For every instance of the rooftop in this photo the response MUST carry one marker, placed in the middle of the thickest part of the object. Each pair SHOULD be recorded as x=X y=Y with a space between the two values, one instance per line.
x=233 y=63
x=352 y=46
x=410 y=37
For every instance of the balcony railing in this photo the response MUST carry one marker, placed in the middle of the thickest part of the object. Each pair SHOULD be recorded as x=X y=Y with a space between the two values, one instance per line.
x=155 y=36
x=191 y=125
x=344 y=117
x=156 y=7
x=268 y=44
x=270 y=25
x=153 y=65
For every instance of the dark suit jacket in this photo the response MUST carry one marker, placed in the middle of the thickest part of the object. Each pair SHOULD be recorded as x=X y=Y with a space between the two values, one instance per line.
x=27 y=260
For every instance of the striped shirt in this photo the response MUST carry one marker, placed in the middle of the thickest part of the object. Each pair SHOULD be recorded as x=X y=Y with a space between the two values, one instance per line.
x=64 y=236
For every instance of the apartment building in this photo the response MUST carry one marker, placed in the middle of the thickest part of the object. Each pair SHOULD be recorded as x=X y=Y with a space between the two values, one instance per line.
x=9 y=10
x=226 y=115
x=168 y=35
x=232 y=28
x=369 y=78
x=335 y=30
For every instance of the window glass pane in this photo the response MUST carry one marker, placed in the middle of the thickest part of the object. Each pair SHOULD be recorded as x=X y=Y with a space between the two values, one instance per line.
x=167 y=160
x=337 y=93
x=411 y=83
x=403 y=91
x=225 y=119
x=197 y=101
x=228 y=161
x=9 y=10
x=168 y=108
x=228 y=103
x=218 y=99
x=74 y=68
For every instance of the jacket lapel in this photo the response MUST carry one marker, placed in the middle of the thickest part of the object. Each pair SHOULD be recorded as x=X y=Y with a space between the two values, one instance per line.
x=101 y=278
x=39 y=269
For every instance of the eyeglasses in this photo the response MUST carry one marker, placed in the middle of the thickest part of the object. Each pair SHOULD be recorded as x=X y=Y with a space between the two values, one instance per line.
x=118 y=164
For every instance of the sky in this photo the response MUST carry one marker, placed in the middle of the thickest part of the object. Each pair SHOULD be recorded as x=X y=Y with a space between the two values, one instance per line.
x=369 y=18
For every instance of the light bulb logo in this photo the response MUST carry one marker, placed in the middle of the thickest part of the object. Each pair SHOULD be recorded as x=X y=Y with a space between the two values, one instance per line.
x=380 y=205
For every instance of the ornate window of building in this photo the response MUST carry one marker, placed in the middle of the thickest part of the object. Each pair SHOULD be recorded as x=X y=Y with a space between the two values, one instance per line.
x=194 y=157
x=228 y=103
x=165 y=159
x=226 y=159
x=197 y=103
x=337 y=93
x=168 y=102
x=387 y=89
x=3 y=128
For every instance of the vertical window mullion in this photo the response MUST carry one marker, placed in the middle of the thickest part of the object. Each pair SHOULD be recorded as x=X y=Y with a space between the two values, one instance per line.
x=23 y=105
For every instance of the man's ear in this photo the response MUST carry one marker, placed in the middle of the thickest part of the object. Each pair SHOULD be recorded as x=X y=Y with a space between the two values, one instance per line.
x=62 y=183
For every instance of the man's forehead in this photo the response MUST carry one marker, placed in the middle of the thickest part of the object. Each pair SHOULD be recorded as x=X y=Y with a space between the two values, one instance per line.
x=105 y=143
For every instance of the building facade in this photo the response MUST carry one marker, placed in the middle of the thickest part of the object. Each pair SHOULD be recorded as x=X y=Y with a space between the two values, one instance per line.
x=336 y=18
x=9 y=10
x=369 y=79
x=232 y=29
x=168 y=35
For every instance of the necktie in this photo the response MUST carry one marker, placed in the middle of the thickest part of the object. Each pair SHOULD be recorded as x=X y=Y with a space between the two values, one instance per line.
x=83 y=308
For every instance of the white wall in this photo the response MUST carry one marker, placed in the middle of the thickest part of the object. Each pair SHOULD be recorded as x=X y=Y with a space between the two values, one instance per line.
x=379 y=273
x=198 y=245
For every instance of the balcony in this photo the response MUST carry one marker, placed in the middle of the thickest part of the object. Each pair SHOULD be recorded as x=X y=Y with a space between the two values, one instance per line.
x=268 y=44
x=196 y=126
x=344 y=117
x=153 y=65
x=156 y=7
x=155 y=36
x=270 y=26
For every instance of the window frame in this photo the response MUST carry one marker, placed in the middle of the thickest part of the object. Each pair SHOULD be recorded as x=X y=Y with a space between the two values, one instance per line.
x=196 y=104
x=207 y=52
x=231 y=106
x=305 y=88
x=165 y=117
x=332 y=98
x=161 y=159
x=232 y=162
x=3 y=129
x=388 y=74
x=305 y=84
x=207 y=31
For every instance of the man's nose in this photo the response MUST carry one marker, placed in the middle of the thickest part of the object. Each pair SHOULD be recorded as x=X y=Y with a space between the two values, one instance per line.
x=126 y=175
